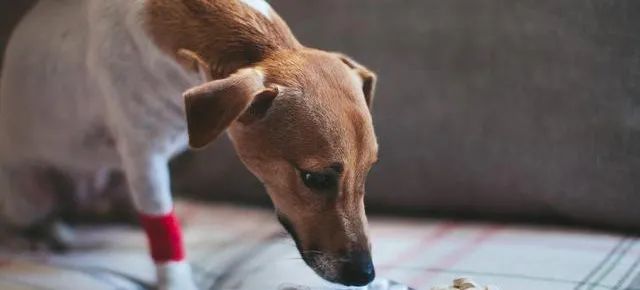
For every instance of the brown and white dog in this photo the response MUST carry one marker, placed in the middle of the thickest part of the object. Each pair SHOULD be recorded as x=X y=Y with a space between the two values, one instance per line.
x=96 y=86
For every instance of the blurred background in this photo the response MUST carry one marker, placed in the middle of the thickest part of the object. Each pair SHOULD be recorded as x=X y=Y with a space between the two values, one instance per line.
x=526 y=110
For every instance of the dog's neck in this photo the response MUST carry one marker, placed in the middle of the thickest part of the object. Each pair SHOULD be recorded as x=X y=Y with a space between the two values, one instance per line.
x=225 y=34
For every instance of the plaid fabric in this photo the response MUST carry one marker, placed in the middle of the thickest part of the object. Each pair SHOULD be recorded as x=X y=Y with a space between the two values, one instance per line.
x=241 y=248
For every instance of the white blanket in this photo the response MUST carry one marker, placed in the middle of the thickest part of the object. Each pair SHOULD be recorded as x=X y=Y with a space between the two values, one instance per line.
x=236 y=248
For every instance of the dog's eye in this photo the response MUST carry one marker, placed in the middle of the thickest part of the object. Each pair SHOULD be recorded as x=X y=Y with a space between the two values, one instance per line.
x=319 y=181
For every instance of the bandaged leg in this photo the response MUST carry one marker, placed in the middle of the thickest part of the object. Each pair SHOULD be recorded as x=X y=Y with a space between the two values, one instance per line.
x=148 y=177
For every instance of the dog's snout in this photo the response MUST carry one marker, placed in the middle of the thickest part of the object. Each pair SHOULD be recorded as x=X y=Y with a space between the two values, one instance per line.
x=358 y=269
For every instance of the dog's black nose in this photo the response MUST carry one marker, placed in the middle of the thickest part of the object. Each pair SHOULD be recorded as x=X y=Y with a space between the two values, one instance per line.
x=358 y=270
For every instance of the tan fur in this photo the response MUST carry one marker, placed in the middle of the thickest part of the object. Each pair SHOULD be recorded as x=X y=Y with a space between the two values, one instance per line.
x=319 y=116
x=227 y=34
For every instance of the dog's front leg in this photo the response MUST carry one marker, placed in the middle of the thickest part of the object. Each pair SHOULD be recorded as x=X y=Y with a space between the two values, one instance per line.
x=148 y=176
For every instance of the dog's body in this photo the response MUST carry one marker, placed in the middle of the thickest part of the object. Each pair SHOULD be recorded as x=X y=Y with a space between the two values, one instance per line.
x=99 y=80
x=94 y=86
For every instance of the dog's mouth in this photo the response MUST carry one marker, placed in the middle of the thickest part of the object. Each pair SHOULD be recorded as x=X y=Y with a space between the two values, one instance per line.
x=311 y=257
x=288 y=226
x=352 y=269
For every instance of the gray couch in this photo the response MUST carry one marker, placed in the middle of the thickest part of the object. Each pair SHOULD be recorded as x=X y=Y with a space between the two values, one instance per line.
x=506 y=109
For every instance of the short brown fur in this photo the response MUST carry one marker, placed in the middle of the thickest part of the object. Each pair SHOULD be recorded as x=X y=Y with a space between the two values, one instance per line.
x=226 y=34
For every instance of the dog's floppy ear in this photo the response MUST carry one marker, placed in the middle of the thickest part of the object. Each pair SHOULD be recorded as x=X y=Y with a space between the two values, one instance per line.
x=368 y=77
x=213 y=106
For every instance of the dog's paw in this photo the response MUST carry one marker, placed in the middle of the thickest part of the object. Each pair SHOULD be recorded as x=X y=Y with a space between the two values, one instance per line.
x=175 y=276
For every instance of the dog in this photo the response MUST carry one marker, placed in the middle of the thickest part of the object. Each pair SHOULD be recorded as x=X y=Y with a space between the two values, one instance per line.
x=98 y=86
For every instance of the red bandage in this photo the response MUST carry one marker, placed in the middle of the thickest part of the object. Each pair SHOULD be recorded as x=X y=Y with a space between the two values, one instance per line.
x=165 y=237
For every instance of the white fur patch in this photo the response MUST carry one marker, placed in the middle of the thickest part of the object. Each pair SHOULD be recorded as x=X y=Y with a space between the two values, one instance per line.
x=175 y=276
x=259 y=5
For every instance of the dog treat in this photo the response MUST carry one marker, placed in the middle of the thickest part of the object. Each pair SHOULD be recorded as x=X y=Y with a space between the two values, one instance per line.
x=465 y=283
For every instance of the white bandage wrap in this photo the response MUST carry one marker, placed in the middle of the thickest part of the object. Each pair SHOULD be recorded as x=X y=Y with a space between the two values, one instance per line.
x=175 y=275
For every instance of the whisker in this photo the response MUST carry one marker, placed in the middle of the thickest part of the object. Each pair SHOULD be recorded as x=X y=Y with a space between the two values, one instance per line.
x=313 y=252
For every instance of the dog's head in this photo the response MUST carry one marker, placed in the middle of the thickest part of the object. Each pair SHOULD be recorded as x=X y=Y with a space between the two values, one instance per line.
x=300 y=121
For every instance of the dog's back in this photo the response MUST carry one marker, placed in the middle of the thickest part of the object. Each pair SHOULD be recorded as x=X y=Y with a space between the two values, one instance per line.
x=78 y=76
x=70 y=69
